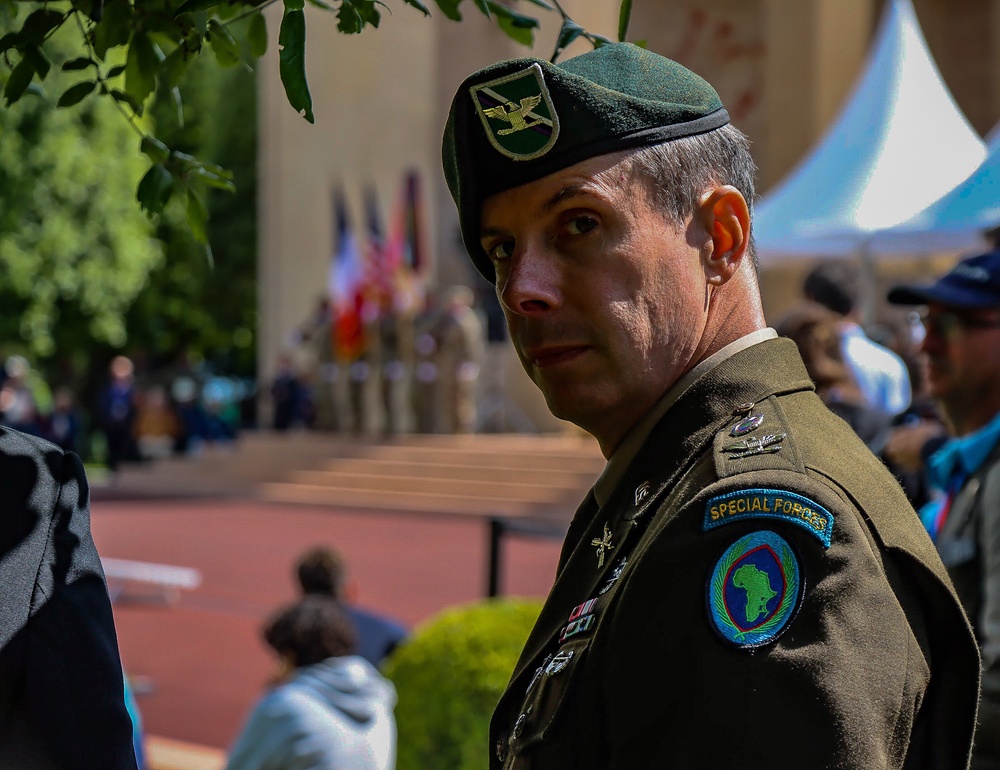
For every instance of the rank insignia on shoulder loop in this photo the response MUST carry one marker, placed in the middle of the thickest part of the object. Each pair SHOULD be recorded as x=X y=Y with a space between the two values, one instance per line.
x=754 y=590
x=748 y=447
x=773 y=504
x=518 y=114
x=603 y=545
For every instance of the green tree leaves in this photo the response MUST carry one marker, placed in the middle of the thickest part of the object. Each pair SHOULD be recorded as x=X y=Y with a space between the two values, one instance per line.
x=292 y=62
x=257 y=35
x=75 y=94
x=18 y=82
x=153 y=43
x=227 y=52
x=75 y=250
x=624 y=16
x=517 y=26
x=141 y=66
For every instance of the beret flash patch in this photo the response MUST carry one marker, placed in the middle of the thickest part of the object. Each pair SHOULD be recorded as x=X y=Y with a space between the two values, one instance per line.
x=770 y=504
x=518 y=114
x=754 y=590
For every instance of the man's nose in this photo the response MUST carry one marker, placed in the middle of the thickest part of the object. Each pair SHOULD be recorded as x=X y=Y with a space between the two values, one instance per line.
x=532 y=284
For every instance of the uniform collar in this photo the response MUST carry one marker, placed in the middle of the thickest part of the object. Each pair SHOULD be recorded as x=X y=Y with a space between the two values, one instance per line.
x=629 y=448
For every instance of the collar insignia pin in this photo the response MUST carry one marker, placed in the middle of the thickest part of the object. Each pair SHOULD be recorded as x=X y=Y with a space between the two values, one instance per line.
x=603 y=545
x=641 y=492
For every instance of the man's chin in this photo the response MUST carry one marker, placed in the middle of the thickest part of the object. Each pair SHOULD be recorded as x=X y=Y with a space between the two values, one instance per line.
x=571 y=406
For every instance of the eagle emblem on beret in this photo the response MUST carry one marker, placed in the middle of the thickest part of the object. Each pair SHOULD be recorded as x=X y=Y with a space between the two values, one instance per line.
x=517 y=113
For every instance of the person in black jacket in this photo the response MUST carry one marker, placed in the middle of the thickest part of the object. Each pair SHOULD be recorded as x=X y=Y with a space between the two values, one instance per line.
x=62 y=702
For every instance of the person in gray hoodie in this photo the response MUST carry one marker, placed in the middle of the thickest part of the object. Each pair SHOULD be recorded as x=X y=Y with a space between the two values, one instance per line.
x=328 y=709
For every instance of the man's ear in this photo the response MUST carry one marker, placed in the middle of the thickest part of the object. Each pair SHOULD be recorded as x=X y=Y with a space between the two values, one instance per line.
x=725 y=216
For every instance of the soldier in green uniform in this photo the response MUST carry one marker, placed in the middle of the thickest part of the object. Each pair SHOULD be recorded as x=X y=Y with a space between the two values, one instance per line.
x=746 y=586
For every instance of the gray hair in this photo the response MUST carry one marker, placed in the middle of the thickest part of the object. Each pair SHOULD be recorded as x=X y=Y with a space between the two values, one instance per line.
x=679 y=171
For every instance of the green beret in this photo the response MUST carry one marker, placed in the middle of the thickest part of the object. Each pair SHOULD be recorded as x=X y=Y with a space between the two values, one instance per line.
x=522 y=119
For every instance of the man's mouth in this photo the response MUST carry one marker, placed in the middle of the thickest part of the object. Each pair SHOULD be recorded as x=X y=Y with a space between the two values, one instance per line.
x=554 y=355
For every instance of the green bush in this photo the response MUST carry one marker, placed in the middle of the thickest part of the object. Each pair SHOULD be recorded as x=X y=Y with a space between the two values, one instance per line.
x=449 y=677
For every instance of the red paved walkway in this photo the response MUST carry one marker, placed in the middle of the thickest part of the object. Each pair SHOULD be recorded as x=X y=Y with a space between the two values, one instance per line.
x=202 y=654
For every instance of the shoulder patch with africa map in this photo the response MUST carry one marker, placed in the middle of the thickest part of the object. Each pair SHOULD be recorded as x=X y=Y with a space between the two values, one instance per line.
x=754 y=589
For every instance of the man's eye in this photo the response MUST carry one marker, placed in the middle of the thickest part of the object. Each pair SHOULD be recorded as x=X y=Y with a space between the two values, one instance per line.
x=502 y=250
x=581 y=225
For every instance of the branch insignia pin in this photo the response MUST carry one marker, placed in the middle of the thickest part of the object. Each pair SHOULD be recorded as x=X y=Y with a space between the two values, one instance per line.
x=603 y=544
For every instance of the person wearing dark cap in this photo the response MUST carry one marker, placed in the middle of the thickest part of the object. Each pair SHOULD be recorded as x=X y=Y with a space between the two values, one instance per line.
x=746 y=585
x=962 y=352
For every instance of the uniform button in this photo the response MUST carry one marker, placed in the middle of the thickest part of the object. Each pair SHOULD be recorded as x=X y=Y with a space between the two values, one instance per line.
x=519 y=724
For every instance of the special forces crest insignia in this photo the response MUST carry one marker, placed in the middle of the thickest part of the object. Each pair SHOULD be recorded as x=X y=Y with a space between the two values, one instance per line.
x=518 y=114
x=754 y=590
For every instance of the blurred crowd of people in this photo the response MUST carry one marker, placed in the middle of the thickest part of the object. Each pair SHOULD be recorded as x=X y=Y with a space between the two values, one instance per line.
x=178 y=414
x=871 y=376
x=411 y=373
x=134 y=417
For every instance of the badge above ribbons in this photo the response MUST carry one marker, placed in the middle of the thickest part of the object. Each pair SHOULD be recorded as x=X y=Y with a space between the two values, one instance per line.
x=518 y=114
x=754 y=590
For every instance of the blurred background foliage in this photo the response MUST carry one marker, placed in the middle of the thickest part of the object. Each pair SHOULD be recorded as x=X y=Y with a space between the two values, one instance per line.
x=449 y=676
x=201 y=304
x=128 y=145
x=84 y=273
x=74 y=248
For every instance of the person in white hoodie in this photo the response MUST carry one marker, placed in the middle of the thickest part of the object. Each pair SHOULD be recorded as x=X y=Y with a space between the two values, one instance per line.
x=329 y=709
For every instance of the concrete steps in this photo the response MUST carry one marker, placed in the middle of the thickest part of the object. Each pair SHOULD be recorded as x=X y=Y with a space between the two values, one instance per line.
x=485 y=474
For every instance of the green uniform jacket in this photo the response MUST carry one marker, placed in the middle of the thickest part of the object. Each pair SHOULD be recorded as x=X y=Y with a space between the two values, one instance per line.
x=867 y=659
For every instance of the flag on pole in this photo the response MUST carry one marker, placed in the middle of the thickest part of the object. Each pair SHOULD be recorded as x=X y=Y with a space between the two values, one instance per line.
x=346 y=286
x=382 y=277
x=406 y=254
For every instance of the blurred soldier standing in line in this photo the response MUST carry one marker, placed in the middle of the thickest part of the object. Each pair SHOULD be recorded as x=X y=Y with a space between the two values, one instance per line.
x=460 y=348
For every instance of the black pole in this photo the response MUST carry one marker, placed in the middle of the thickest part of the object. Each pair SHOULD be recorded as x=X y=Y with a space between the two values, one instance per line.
x=493 y=579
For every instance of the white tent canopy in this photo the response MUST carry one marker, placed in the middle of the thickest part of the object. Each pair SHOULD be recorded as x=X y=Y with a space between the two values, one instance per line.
x=958 y=220
x=899 y=144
